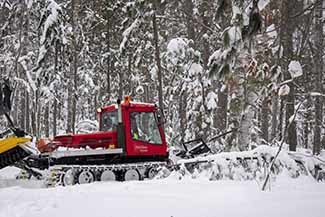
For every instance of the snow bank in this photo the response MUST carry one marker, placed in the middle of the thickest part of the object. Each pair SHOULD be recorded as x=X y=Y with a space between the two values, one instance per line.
x=8 y=179
x=166 y=198
x=9 y=173
x=249 y=165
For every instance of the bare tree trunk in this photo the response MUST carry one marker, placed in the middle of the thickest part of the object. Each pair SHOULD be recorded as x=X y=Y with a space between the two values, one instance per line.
x=206 y=19
x=33 y=120
x=120 y=90
x=27 y=112
x=22 y=120
x=246 y=121
x=20 y=37
x=72 y=101
x=307 y=120
x=18 y=118
x=129 y=87
x=157 y=55
x=274 y=120
x=221 y=116
x=182 y=113
x=147 y=87
x=281 y=119
x=265 y=121
x=38 y=114
x=108 y=44
x=182 y=101
x=292 y=131
x=286 y=41
x=188 y=7
x=55 y=103
x=75 y=65
x=222 y=105
x=319 y=76
x=70 y=93
x=55 y=111
x=46 y=120
x=59 y=114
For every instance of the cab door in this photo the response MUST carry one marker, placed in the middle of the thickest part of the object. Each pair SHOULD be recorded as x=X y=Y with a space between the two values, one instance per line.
x=144 y=136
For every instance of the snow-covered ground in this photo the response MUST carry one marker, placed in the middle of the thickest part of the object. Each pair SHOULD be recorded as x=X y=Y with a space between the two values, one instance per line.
x=165 y=197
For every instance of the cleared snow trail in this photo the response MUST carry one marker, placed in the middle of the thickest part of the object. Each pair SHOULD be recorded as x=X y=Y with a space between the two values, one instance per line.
x=166 y=198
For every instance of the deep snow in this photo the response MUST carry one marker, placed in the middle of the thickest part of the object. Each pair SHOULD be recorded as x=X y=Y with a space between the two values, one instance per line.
x=165 y=197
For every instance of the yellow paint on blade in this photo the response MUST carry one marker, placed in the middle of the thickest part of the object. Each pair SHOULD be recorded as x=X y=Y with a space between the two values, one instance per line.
x=11 y=142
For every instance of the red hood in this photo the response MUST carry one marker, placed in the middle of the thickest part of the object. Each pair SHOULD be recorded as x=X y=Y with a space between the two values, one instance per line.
x=90 y=140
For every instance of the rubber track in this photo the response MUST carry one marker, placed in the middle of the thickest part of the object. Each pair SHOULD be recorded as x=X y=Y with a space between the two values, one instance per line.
x=54 y=177
x=140 y=165
x=12 y=156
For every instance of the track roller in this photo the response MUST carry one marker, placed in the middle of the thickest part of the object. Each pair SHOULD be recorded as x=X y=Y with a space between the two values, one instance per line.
x=132 y=175
x=68 y=178
x=107 y=175
x=86 y=176
x=151 y=172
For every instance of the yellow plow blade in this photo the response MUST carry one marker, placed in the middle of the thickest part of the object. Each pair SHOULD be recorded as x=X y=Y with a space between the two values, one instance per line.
x=12 y=150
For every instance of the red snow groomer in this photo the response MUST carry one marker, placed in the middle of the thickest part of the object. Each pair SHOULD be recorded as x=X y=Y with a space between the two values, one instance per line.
x=129 y=145
x=130 y=127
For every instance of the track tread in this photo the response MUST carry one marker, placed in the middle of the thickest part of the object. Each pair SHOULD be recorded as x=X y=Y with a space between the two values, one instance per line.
x=57 y=172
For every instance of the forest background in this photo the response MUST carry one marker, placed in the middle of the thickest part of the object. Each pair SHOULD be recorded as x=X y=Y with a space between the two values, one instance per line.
x=212 y=66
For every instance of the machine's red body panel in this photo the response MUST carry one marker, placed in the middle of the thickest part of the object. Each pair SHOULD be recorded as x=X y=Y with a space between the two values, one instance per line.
x=91 y=140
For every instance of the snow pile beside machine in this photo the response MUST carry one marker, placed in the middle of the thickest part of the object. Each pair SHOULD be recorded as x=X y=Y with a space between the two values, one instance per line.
x=254 y=164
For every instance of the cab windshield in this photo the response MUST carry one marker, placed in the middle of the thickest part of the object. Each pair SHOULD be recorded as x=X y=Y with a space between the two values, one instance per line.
x=144 y=127
x=109 y=121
